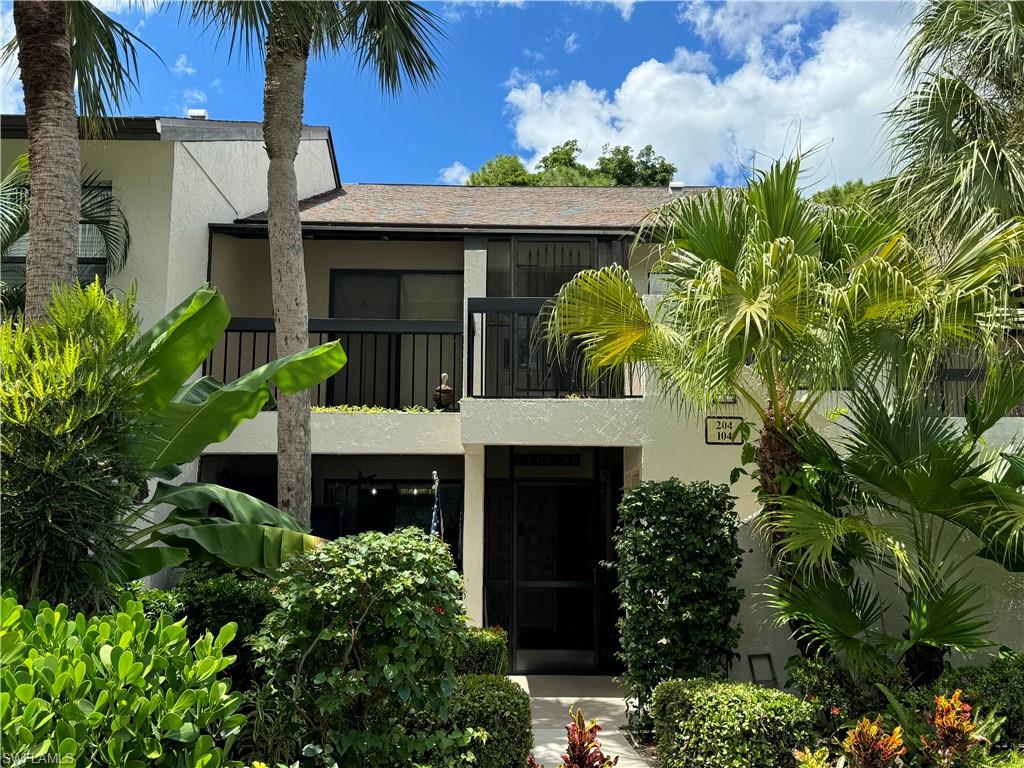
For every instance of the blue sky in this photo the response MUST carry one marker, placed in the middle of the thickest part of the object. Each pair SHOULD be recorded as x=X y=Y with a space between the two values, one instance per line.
x=708 y=84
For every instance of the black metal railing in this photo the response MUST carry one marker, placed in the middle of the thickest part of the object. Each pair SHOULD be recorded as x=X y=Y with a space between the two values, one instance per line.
x=391 y=363
x=507 y=359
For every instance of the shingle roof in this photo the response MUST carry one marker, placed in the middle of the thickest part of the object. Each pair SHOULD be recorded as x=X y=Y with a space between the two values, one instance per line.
x=483 y=207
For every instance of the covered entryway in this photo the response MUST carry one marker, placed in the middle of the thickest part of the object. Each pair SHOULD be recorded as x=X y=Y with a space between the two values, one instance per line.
x=549 y=514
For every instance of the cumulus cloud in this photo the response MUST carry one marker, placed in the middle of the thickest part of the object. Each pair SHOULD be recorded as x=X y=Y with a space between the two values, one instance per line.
x=456 y=173
x=182 y=66
x=572 y=43
x=790 y=88
x=12 y=98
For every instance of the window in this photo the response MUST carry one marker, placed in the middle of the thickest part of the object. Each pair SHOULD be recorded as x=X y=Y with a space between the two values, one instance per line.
x=92 y=259
x=394 y=295
x=355 y=506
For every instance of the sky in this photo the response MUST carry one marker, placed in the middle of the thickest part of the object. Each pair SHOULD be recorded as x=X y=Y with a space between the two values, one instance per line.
x=716 y=87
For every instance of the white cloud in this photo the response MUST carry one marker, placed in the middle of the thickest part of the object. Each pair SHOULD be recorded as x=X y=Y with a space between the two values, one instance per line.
x=182 y=66
x=217 y=85
x=193 y=96
x=12 y=98
x=456 y=173
x=115 y=7
x=457 y=9
x=518 y=77
x=775 y=100
x=624 y=7
x=533 y=55
x=572 y=43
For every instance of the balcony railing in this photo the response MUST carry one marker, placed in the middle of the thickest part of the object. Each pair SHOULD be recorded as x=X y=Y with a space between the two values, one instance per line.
x=391 y=363
x=505 y=358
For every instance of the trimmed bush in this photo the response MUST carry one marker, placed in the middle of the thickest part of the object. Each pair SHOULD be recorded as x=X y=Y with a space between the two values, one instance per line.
x=485 y=652
x=500 y=707
x=710 y=724
x=114 y=690
x=840 y=699
x=363 y=639
x=677 y=556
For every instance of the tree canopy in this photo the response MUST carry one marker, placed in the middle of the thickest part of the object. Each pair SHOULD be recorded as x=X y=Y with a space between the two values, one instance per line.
x=560 y=167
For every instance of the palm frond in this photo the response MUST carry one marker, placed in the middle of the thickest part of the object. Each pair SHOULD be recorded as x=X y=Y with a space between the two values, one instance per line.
x=843 y=619
x=14 y=204
x=104 y=54
x=949 y=618
x=101 y=209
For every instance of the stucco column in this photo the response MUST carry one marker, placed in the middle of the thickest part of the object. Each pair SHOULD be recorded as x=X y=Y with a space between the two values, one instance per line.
x=474 y=285
x=473 y=533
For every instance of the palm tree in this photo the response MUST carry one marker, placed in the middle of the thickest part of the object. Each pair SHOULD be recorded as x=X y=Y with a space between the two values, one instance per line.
x=906 y=497
x=779 y=301
x=62 y=46
x=393 y=38
x=957 y=137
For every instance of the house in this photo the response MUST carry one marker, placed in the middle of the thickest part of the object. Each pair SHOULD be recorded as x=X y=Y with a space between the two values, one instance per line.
x=428 y=287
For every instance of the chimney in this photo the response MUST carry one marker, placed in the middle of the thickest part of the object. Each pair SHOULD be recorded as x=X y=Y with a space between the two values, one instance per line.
x=198 y=114
x=676 y=187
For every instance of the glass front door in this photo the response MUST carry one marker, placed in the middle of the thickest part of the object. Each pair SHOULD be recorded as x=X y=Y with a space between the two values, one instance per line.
x=555 y=576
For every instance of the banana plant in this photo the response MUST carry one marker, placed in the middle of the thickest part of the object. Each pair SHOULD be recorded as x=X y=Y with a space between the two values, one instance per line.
x=183 y=418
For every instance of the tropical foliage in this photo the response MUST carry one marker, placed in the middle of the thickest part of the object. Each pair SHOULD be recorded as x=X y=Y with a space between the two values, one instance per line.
x=957 y=137
x=114 y=690
x=906 y=495
x=93 y=410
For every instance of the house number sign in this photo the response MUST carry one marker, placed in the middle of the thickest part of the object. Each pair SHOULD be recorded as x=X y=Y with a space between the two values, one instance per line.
x=722 y=430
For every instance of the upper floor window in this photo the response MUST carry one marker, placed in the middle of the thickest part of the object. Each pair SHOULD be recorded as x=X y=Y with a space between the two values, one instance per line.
x=524 y=266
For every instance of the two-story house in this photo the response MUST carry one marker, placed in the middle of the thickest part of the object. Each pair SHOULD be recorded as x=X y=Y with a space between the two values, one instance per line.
x=428 y=287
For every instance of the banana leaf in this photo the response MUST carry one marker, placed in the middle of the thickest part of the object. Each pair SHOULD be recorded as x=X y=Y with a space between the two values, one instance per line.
x=179 y=343
x=182 y=430
x=193 y=501
x=140 y=562
x=242 y=545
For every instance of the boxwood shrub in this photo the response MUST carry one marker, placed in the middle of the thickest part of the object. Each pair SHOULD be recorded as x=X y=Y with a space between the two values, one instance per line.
x=711 y=724
x=115 y=689
x=676 y=557
x=498 y=706
x=485 y=652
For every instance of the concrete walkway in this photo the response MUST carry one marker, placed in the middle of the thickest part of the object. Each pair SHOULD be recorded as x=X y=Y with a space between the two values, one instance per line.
x=601 y=699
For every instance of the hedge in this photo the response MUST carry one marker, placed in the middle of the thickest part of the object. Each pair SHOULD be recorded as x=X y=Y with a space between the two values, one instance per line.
x=485 y=652
x=501 y=708
x=710 y=724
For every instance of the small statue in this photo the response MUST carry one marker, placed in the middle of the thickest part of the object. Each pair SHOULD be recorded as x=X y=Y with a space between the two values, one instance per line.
x=444 y=395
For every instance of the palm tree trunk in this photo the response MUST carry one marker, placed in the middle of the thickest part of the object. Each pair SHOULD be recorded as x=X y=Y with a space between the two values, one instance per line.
x=282 y=128
x=44 y=55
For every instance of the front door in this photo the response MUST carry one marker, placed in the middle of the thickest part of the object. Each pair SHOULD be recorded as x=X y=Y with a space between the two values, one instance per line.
x=554 y=578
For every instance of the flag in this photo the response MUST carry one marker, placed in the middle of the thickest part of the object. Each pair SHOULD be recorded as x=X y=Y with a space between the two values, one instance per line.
x=436 y=519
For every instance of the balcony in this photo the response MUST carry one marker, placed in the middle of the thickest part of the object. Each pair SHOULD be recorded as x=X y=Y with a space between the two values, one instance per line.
x=505 y=359
x=394 y=364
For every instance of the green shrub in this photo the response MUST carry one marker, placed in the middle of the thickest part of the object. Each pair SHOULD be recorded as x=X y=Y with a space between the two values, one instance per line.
x=709 y=724
x=839 y=698
x=677 y=556
x=364 y=635
x=485 y=652
x=212 y=595
x=68 y=475
x=498 y=706
x=113 y=690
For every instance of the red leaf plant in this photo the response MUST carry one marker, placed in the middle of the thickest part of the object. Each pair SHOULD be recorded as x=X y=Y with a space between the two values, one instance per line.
x=869 y=746
x=583 y=749
x=954 y=732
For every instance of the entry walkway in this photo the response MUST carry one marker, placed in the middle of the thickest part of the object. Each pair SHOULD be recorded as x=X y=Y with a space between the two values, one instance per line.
x=601 y=699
